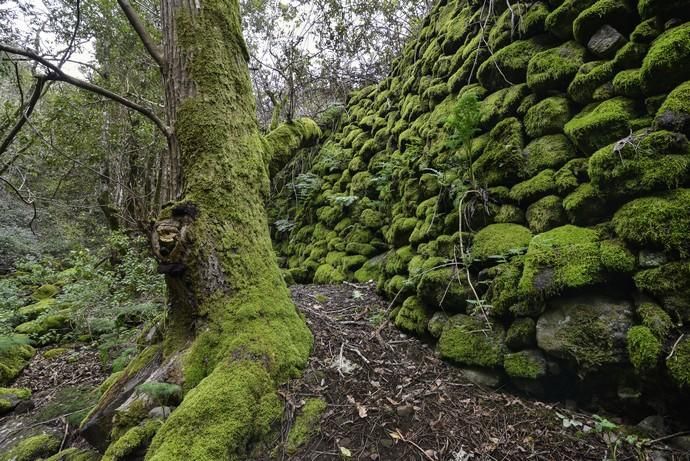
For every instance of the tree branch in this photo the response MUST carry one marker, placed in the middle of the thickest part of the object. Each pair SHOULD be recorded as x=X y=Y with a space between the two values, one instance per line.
x=136 y=23
x=26 y=113
x=56 y=74
x=26 y=201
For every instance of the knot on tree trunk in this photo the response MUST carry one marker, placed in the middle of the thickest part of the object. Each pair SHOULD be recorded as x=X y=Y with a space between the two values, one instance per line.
x=170 y=239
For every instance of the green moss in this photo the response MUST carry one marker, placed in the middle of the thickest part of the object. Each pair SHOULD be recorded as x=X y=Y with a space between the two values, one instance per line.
x=45 y=292
x=306 y=424
x=441 y=287
x=584 y=205
x=554 y=69
x=665 y=67
x=529 y=364
x=15 y=354
x=547 y=117
x=502 y=161
x=663 y=8
x=400 y=230
x=589 y=77
x=133 y=442
x=501 y=104
x=371 y=270
x=41 y=326
x=327 y=274
x=470 y=341
x=521 y=333
x=678 y=364
x=645 y=163
x=349 y=264
x=618 y=14
x=674 y=113
x=560 y=21
x=644 y=349
x=281 y=143
x=371 y=219
x=9 y=397
x=630 y=56
x=662 y=221
x=565 y=257
x=75 y=454
x=598 y=125
x=499 y=240
x=572 y=175
x=413 y=317
x=615 y=257
x=538 y=186
x=509 y=214
x=645 y=32
x=628 y=83
x=502 y=293
x=32 y=311
x=551 y=151
x=508 y=65
x=656 y=319
x=545 y=214
x=36 y=447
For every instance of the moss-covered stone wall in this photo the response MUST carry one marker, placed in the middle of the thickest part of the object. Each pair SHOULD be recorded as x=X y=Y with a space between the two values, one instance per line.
x=557 y=249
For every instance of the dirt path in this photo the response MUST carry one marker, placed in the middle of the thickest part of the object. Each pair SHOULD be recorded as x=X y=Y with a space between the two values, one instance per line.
x=395 y=400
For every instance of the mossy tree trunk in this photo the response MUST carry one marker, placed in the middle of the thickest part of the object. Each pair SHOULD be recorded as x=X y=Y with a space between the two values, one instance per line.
x=232 y=332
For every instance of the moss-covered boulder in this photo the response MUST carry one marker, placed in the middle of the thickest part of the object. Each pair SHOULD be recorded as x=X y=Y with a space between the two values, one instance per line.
x=502 y=161
x=554 y=69
x=522 y=333
x=674 y=113
x=665 y=66
x=32 y=311
x=589 y=330
x=134 y=443
x=33 y=448
x=552 y=152
x=678 y=363
x=662 y=221
x=540 y=185
x=599 y=125
x=499 y=240
x=508 y=66
x=75 y=454
x=560 y=21
x=472 y=341
x=15 y=354
x=45 y=292
x=670 y=284
x=655 y=319
x=617 y=14
x=54 y=322
x=413 y=316
x=546 y=214
x=548 y=116
x=11 y=397
x=644 y=349
x=590 y=77
x=527 y=364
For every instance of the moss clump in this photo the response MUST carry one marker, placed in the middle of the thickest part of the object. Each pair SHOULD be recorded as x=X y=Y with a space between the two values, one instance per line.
x=413 y=317
x=645 y=163
x=670 y=284
x=679 y=364
x=662 y=221
x=506 y=29
x=529 y=364
x=554 y=69
x=508 y=65
x=502 y=292
x=41 y=326
x=441 y=287
x=371 y=270
x=656 y=319
x=628 y=83
x=547 y=117
x=545 y=214
x=585 y=205
x=498 y=240
x=615 y=257
x=306 y=424
x=665 y=66
x=36 y=447
x=560 y=21
x=538 y=186
x=565 y=257
x=32 y=311
x=281 y=143
x=134 y=442
x=521 y=333
x=45 y=292
x=470 y=341
x=551 y=151
x=509 y=214
x=327 y=274
x=501 y=104
x=615 y=13
x=644 y=349
x=572 y=175
x=15 y=354
x=502 y=161
x=75 y=454
x=598 y=125
x=674 y=113
x=589 y=77
x=400 y=230
x=663 y=8
x=10 y=397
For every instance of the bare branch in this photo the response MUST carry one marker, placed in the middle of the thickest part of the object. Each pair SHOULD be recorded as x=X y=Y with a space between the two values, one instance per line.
x=56 y=74
x=26 y=201
x=26 y=113
x=136 y=23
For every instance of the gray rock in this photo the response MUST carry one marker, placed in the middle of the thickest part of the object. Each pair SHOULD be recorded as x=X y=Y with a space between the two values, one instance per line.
x=648 y=258
x=654 y=425
x=436 y=324
x=481 y=377
x=606 y=41
x=589 y=329
x=160 y=412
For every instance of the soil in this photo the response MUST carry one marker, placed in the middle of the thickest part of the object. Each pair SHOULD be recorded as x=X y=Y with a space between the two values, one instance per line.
x=389 y=397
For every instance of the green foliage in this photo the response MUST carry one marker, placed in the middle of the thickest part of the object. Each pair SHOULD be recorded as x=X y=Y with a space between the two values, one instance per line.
x=462 y=125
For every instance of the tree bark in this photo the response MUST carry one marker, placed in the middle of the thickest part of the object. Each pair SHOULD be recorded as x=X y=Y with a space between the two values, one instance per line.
x=232 y=332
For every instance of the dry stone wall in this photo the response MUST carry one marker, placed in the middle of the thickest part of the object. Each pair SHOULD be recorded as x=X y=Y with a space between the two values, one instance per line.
x=555 y=252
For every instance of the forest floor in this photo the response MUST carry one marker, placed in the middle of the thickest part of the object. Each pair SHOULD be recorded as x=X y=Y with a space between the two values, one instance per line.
x=389 y=397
